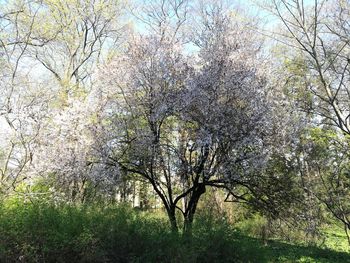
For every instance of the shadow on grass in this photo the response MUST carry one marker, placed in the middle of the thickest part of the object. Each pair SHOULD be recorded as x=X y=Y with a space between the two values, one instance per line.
x=253 y=250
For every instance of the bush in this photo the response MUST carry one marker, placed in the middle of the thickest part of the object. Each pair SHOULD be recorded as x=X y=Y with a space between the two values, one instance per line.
x=44 y=232
x=47 y=233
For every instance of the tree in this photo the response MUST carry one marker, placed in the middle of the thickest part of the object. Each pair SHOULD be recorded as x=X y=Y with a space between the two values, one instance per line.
x=326 y=154
x=68 y=157
x=22 y=104
x=50 y=50
x=67 y=38
x=318 y=38
x=184 y=123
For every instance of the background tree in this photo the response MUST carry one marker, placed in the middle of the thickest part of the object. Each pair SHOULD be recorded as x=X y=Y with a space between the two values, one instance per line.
x=22 y=104
x=317 y=36
x=51 y=49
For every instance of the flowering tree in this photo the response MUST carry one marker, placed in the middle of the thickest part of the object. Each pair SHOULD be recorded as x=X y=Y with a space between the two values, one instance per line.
x=22 y=104
x=49 y=50
x=77 y=167
x=188 y=122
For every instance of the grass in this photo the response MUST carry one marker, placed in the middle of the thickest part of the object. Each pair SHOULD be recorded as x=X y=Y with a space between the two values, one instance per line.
x=335 y=238
x=47 y=233
x=284 y=252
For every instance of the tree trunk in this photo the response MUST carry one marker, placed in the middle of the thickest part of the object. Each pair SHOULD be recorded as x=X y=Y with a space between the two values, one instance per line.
x=172 y=219
x=191 y=209
x=188 y=221
x=347 y=228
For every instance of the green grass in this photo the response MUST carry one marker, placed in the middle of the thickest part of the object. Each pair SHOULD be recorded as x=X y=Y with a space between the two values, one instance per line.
x=46 y=233
x=284 y=252
x=335 y=238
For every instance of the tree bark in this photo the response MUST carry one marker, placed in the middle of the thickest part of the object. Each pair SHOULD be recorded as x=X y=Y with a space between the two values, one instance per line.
x=191 y=209
x=172 y=219
x=347 y=228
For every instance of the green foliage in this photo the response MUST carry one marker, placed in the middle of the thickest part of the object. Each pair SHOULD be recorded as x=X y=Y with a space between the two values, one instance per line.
x=253 y=226
x=43 y=232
